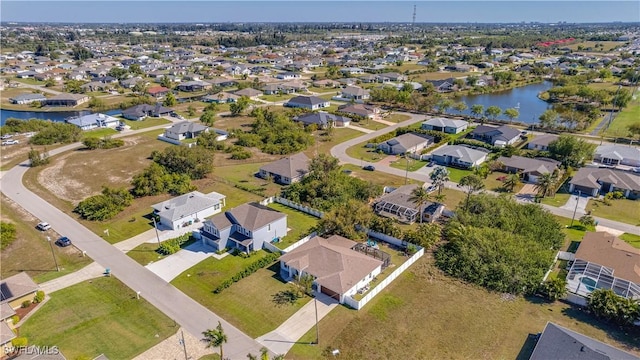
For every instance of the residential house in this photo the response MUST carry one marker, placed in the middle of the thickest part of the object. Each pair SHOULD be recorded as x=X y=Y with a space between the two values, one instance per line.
x=17 y=289
x=496 y=136
x=94 y=121
x=337 y=269
x=398 y=204
x=66 y=99
x=595 y=181
x=406 y=143
x=307 y=102
x=6 y=333
x=363 y=110
x=184 y=130
x=604 y=261
x=459 y=156
x=288 y=75
x=185 y=209
x=617 y=155
x=292 y=87
x=131 y=82
x=195 y=85
x=221 y=98
x=355 y=93
x=272 y=89
x=323 y=119
x=246 y=228
x=140 y=112
x=158 y=91
x=444 y=85
x=27 y=99
x=222 y=82
x=287 y=170
x=530 y=169
x=557 y=342
x=328 y=83
x=352 y=71
x=391 y=76
x=449 y=126
x=249 y=92
x=542 y=142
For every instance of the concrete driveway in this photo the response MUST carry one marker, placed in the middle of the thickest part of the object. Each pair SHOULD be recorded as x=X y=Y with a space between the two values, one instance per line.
x=581 y=200
x=173 y=265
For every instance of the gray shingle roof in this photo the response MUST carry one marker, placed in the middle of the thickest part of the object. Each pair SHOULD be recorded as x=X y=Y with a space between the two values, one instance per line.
x=253 y=216
x=617 y=152
x=321 y=118
x=187 y=126
x=409 y=140
x=291 y=166
x=543 y=140
x=307 y=100
x=589 y=177
x=16 y=286
x=444 y=122
x=528 y=165
x=187 y=204
x=463 y=153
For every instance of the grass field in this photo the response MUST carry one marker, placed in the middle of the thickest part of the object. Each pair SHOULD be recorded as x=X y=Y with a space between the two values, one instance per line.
x=626 y=117
x=146 y=253
x=591 y=45
x=396 y=118
x=365 y=154
x=632 y=239
x=99 y=133
x=401 y=163
x=451 y=319
x=325 y=143
x=30 y=251
x=370 y=124
x=560 y=198
x=275 y=98
x=148 y=122
x=248 y=303
x=456 y=174
x=299 y=223
x=101 y=316
x=623 y=210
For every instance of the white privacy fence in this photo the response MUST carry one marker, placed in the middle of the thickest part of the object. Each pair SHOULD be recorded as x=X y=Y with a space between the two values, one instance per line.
x=293 y=205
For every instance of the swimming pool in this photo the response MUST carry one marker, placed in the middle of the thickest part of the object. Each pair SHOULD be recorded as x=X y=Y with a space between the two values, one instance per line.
x=588 y=282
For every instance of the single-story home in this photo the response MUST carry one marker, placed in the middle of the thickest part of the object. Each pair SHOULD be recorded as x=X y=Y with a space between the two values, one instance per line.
x=221 y=98
x=337 y=269
x=140 y=112
x=6 y=333
x=355 y=93
x=94 y=121
x=531 y=169
x=459 y=156
x=286 y=170
x=246 y=228
x=449 y=126
x=158 y=91
x=363 y=110
x=397 y=204
x=323 y=119
x=557 y=342
x=595 y=181
x=188 y=208
x=65 y=99
x=604 y=261
x=194 y=85
x=16 y=289
x=307 y=102
x=541 y=142
x=184 y=130
x=617 y=155
x=249 y=92
x=287 y=75
x=27 y=99
x=496 y=136
x=406 y=143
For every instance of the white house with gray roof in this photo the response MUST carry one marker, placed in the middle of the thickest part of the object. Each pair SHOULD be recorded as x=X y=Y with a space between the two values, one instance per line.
x=188 y=208
x=307 y=102
x=459 y=156
x=286 y=170
x=183 y=130
x=541 y=142
x=406 y=143
x=27 y=98
x=246 y=228
x=94 y=121
x=595 y=181
x=617 y=155
x=449 y=126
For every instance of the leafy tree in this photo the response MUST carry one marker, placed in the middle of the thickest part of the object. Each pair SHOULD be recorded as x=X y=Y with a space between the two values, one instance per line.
x=37 y=159
x=208 y=117
x=477 y=110
x=493 y=112
x=472 y=183
x=420 y=196
x=96 y=103
x=275 y=133
x=57 y=132
x=191 y=111
x=74 y=86
x=81 y=53
x=460 y=106
x=118 y=73
x=166 y=82
x=105 y=205
x=554 y=289
x=605 y=304
x=140 y=88
x=169 y=100
x=549 y=118
x=571 y=151
x=215 y=338
x=7 y=234
x=155 y=180
x=238 y=107
x=195 y=162
x=444 y=105
x=511 y=113
x=634 y=128
x=439 y=176
x=208 y=140
x=425 y=235
x=482 y=171
x=344 y=219
x=104 y=143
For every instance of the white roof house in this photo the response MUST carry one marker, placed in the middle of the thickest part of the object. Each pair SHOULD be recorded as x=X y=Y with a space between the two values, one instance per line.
x=449 y=126
x=93 y=121
x=188 y=208
x=618 y=155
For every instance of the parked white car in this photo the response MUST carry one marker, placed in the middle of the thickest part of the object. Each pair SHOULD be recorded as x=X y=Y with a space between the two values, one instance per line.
x=10 y=142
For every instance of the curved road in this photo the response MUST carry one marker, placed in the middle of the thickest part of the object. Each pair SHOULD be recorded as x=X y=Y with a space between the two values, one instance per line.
x=192 y=316
x=340 y=151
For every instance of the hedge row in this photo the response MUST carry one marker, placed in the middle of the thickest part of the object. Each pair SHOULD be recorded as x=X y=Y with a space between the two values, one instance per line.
x=253 y=267
x=172 y=246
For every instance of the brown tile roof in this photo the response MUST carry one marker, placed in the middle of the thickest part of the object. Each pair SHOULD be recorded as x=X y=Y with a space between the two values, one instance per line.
x=16 y=286
x=607 y=250
x=332 y=262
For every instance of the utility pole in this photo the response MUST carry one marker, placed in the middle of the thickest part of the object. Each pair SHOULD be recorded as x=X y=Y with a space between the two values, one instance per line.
x=155 y=226
x=52 y=253
x=184 y=345
x=576 y=208
x=315 y=303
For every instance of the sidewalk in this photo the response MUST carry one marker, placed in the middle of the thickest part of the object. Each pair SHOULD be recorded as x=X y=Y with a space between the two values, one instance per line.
x=91 y=271
x=289 y=332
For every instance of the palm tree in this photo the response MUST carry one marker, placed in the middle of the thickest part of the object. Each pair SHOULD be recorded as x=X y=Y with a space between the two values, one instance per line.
x=439 y=176
x=215 y=338
x=545 y=184
x=420 y=196
x=511 y=182
x=472 y=183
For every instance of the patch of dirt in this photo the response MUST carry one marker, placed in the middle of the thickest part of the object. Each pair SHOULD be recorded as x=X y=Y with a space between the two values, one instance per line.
x=24 y=214
x=54 y=179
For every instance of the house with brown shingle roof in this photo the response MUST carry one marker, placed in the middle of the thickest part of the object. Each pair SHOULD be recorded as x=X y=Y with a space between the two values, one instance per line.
x=16 y=289
x=595 y=181
x=337 y=268
x=286 y=170
x=530 y=168
x=246 y=228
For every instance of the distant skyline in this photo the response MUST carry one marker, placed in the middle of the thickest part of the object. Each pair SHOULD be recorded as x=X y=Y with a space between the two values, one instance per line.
x=318 y=11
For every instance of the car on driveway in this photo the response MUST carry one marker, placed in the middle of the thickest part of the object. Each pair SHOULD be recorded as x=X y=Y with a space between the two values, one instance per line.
x=63 y=241
x=43 y=226
x=10 y=142
x=369 y=168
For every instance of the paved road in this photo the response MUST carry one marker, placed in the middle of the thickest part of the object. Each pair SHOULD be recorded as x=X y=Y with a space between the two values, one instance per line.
x=339 y=151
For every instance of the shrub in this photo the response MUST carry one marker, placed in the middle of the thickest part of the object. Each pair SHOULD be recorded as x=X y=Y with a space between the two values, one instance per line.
x=20 y=342
x=250 y=269
x=104 y=206
x=172 y=246
x=15 y=319
x=104 y=143
x=39 y=297
x=7 y=234
x=25 y=304
x=37 y=159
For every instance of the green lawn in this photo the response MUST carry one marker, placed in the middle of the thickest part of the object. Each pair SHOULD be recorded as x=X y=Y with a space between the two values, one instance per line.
x=364 y=153
x=370 y=124
x=456 y=174
x=396 y=118
x=99 y=133
x=632 y=239
x=377 y=177
x=401 y=163
x=560 y=198
x=100 y=316
x=146 y=253
x=148 y=122
x=244 y=174
x=451 y=319
x=623 y=210
x=248 y=303
x=299 y=223
x=626 y=117
x=30 y=81
x=274 y=98
x=325 y=143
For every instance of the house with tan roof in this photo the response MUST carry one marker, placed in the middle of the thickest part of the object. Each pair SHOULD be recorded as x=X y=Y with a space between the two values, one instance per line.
x=363 y=110
x=246 y=228
x=337 y=268
x=595 y=181
x=529 y=168
x=16 y=289
x=604 y=261
x=287 y=170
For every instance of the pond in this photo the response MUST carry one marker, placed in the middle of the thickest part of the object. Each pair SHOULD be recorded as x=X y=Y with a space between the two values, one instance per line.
x=48 y=115
x=524 y=99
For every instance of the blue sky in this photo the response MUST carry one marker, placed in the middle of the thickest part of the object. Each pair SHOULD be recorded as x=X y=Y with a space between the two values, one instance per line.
x=318 y=11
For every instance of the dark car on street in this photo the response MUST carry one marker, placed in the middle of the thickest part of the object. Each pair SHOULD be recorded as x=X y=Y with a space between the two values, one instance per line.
x=63 y=241
x=369 y=168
